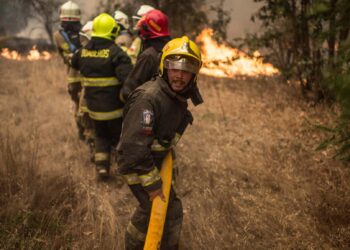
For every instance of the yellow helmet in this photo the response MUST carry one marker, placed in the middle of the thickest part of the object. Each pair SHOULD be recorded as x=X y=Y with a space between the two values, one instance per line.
x=181 y=53
x=70 y=11
x=105 y=26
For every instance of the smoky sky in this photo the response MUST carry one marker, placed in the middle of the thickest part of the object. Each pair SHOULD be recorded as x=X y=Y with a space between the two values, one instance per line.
x=240 y=12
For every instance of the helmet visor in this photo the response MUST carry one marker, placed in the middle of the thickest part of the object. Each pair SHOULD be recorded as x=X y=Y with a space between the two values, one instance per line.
x=182 y=63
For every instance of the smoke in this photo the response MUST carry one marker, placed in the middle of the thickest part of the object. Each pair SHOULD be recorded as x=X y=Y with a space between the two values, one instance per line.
x=13 y=16
x=241 y=12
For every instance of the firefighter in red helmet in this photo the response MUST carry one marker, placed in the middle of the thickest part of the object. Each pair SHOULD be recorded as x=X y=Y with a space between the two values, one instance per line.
x=154 y=31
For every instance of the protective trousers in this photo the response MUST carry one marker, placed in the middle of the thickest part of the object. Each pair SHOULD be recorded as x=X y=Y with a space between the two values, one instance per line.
x=85 y=120
x=137 y=228
x=74 y=90
x=107 y=134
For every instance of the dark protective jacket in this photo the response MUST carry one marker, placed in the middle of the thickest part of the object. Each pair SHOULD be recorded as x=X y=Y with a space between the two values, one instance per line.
x=67 y=42
x=104 y=67
x=147 y=65
x=154 y=119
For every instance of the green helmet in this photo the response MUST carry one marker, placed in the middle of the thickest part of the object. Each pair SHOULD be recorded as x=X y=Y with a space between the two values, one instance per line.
x=105 y=26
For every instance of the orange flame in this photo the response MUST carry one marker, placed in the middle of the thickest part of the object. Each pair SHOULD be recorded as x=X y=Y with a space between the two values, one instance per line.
x=221 y=60
x=33 y=55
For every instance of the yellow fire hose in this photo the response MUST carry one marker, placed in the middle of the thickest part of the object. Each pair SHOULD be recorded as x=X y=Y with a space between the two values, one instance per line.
x=159 y=208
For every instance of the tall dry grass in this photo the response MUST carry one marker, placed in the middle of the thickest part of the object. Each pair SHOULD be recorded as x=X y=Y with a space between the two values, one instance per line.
x=49 y=197
x=41 y=210
x=250 y=177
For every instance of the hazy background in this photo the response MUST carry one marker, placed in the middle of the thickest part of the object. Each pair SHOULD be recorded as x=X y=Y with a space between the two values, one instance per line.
x=240 y=10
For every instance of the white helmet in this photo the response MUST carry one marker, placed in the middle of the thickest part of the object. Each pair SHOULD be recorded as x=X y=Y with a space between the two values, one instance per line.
x=70 y=11
x=143 y=10
x=86 y=30
x=122 y=19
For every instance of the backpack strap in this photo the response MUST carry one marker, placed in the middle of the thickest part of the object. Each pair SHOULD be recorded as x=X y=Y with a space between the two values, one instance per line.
x=65 y=35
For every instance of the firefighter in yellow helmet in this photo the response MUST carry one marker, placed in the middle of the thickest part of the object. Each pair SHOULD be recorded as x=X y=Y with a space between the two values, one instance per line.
x=155 y=117
x=67 y=42
x=154 y=31
x=104 y=67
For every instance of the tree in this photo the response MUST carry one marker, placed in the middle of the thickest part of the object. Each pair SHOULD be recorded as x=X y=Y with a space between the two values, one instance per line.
x=14 y=16
x=47 y=14
x=219 y=24
x=309 y=40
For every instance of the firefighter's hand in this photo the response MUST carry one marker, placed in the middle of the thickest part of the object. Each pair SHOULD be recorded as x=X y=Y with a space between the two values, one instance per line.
x=158 y=192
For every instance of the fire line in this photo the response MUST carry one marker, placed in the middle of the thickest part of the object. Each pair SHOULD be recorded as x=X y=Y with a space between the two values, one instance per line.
x=220 y=60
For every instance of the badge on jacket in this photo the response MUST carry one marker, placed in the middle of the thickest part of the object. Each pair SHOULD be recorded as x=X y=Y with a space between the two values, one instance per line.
x=147 y=122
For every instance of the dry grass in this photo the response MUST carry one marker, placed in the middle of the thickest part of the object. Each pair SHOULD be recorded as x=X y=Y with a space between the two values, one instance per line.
x=249 y=175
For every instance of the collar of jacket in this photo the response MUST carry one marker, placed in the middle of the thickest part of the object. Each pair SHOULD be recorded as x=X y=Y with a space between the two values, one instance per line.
x=164 y=85
x=99 y=43
x=157 y=43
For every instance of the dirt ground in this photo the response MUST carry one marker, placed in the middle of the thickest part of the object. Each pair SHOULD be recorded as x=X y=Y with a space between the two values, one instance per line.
x=249 y=175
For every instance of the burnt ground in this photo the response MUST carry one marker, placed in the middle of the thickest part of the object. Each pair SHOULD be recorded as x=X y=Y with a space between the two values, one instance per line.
x=249 y=174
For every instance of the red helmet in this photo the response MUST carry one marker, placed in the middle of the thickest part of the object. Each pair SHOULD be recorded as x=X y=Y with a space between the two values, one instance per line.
x=153 y=24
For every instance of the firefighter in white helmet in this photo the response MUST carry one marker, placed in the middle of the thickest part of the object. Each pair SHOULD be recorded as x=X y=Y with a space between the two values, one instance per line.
x=85 y=33
x=124 y=39
x=67 y=42
x=135 y=48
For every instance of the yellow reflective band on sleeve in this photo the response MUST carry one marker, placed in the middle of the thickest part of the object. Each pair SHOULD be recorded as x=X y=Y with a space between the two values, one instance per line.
x=145 y=180
x=132 y=179
x=157 y=147
x=73 y=79
x=150 y=178
x=105 y=116
x=101 y=156
x=83 y=109
x=100 y=81
x=176 y=138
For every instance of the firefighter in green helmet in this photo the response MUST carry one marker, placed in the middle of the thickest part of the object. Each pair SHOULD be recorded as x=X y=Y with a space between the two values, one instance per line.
x=104 y=67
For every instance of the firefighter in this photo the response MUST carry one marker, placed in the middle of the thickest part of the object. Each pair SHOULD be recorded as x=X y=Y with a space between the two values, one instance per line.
x=155 y=117
x=124 y=39
x=154 y=31
x=67 y=42
x=85 y=33
x=104 y=67
x=89 y=133
x=135 y=47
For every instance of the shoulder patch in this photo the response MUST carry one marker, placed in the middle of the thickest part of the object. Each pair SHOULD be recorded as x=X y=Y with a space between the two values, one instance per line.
x=147 y=121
